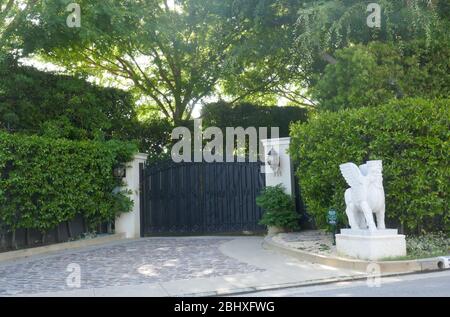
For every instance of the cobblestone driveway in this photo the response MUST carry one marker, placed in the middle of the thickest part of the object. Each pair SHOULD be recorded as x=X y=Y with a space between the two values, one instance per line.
x=129 y=263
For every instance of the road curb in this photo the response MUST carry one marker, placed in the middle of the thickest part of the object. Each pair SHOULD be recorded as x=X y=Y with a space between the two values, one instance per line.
x=274 y=287
x=26 y=253
x=405 y=266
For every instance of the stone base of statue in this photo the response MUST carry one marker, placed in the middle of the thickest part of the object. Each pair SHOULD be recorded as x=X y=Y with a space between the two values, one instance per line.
x=366 y=245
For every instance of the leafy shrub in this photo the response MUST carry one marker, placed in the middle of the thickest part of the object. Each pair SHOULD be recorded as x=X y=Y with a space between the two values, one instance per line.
x=278 y=208
x=61 y=106
x=410 y=136
x=39 y=102
x=44 y=182
x=370 y=75
x=222 y=115
x=428 y=245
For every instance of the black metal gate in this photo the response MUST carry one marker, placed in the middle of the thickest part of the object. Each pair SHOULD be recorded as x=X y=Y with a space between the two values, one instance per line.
x=200 y=198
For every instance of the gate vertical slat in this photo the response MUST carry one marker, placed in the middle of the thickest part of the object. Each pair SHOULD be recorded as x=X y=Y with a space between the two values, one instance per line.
x=155 y=200
x=187 y=180
x=178 y=189
x=239 y=211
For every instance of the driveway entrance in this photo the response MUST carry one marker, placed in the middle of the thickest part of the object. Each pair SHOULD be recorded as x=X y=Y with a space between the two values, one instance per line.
x=162 y=267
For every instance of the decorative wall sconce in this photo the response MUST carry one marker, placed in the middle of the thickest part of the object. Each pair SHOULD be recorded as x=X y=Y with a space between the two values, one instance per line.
x=120 y=171
x=273 y=160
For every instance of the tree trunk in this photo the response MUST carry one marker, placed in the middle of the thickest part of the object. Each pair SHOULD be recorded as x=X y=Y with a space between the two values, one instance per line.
x=178 y=114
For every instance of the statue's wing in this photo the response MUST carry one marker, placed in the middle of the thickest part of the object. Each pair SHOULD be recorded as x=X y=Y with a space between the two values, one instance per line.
x=352 y=175
x=363 y=169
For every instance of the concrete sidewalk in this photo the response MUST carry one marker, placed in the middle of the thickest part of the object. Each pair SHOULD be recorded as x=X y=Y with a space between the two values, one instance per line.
x=275 y=270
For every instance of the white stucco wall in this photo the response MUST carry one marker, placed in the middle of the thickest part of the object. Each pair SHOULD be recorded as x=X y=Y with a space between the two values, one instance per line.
x=281 y=145
x=130 y=223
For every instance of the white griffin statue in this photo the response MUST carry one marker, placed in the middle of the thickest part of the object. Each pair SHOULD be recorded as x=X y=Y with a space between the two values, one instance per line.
x=365 y=195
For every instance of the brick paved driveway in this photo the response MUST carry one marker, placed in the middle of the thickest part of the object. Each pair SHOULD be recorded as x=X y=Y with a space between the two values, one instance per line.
x=125 y=263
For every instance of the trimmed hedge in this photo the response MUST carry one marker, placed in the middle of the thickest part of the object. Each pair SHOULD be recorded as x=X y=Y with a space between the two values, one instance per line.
x=44 y=182
x=411 y=136
x=222 y=114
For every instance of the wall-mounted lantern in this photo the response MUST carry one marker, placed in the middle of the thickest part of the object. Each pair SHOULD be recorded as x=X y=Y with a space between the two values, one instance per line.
x=120 y=171
x=273 y=160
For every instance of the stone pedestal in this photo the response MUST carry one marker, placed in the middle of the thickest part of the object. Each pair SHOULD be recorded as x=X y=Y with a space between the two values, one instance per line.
x=366 y=245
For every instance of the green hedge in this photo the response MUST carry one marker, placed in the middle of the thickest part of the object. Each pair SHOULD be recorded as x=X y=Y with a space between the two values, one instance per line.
x=410 y=136
x=221 y=114
x=44 y=182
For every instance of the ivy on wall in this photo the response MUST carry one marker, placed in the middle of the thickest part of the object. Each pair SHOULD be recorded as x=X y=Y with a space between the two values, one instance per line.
x=44 y=182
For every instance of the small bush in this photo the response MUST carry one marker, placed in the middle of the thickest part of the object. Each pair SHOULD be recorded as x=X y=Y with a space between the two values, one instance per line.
x=279 y=210
x=428 y=245
x=411 y=136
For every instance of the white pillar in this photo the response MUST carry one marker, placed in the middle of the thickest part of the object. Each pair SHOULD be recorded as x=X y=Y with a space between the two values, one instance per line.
x=129 y=223
x=286 y=175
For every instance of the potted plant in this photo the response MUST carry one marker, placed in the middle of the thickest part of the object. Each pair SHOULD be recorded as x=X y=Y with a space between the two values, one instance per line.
x=279 y=211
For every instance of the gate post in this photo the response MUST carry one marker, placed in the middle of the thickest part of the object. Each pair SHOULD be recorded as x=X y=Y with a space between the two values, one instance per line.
x=285 y=175
x=129 y=223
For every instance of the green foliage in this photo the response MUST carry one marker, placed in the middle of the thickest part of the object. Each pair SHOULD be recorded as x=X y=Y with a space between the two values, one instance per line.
x=279 y=210
x=373 y=74
x=410 y=136
x=265 y=63
x=329 y=25
x=48 y=181
x=428 y=245
x=222 y=115
x=153 y=136
x=14 y=14
x=286 y=47
x=173 y=55
x=60 y=106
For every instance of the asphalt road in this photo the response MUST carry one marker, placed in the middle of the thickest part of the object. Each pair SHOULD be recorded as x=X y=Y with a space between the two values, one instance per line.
x=418 y=285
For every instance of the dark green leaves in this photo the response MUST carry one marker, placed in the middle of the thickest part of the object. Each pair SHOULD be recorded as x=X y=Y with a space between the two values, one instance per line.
x=44 y=182
x=278 y=208
x=410 y=136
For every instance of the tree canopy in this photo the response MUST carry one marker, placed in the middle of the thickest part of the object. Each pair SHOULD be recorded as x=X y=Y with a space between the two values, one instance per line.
x=171 y=54
x=304 y=37
x=373 y=74
x=175 y=54
x=61 y=106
